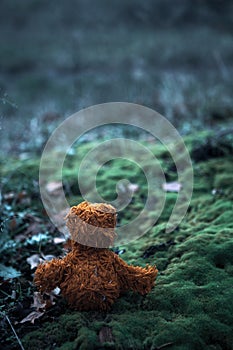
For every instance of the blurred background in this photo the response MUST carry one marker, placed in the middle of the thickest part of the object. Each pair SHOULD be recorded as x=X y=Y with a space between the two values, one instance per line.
x=57 y=57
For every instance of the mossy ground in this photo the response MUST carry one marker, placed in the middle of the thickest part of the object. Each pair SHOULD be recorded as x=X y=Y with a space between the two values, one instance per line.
x=191 y=306
x=57 y=57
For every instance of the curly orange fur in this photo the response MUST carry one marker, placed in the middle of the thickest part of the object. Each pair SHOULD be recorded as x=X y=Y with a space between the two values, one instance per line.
x=93 y=278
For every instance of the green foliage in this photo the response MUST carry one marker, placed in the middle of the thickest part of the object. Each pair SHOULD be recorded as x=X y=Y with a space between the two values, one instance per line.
x=13 y=171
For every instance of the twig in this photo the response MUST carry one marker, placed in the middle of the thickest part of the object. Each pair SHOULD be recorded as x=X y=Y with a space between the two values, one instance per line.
x=16 y=336
x=164 y=346
x=5 y=100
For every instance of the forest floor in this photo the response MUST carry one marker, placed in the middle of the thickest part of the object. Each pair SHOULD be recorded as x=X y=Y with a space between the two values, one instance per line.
x=191 y=304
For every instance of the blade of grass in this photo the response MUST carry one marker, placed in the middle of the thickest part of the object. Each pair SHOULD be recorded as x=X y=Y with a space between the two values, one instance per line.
x=13 y=330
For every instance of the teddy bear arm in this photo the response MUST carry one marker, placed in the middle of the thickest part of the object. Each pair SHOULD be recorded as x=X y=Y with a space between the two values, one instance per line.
x=136 y=278
x=49 y=275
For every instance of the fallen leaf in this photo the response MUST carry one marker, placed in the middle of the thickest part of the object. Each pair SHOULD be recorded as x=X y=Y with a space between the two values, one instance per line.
x=34 y=260
x=54 y=188
x=13 y=224
x=32 y=218
x=32 y=317
x=52 y=297
x=105 y=335
x=37 y=238
x=38 y=301
x=33 y=229
x=21 y=197
x=47 y=257
x=133 y=187
x=172 y=186
x=58 y=240
x=9 y=197
x=20 y=237
x=56 y=291
x=49 y=117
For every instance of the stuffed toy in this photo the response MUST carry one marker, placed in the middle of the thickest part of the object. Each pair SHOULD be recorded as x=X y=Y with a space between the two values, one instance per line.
x=91 y=276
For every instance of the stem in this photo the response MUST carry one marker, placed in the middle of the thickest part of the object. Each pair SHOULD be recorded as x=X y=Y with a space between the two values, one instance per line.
x=16 y=336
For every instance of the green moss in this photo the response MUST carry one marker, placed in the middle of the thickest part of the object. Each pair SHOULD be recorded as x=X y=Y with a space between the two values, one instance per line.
x=191 y=306
x=130 y=329
x=189 y=333
x=13 y=169
x=66 y=328
x=87 y=339
x=223 y=181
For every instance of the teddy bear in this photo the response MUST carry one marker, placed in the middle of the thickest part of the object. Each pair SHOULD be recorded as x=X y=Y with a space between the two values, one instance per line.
x=91 y=276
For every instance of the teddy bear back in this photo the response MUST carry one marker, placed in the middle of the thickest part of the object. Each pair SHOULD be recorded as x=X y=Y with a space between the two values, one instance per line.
x=92 y=224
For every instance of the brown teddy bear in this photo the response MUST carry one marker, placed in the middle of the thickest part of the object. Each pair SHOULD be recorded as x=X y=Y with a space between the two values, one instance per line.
x=90 y=276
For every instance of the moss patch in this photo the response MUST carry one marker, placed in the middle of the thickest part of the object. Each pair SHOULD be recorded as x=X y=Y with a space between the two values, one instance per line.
x=191 y=305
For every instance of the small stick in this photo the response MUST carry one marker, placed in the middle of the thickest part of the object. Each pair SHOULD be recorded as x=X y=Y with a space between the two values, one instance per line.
x=164 y=346
x=16 y=336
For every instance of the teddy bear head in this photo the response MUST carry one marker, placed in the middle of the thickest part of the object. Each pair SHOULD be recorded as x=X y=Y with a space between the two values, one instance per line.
x=92 y=224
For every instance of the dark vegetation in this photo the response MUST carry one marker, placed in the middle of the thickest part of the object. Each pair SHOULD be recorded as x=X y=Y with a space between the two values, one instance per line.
x=176 y=57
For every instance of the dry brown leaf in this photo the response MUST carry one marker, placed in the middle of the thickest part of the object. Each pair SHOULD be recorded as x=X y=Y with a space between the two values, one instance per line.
x=20 y=197
x=33 y=229
x=40 y=305
x=52 y=297
x=105 y=335
x=13 y=224
x=9 y=197
x=172 y=186
x=50 y=117
x=38 y=301
x=20 y=237
x=32 y=218
x=32 y=317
